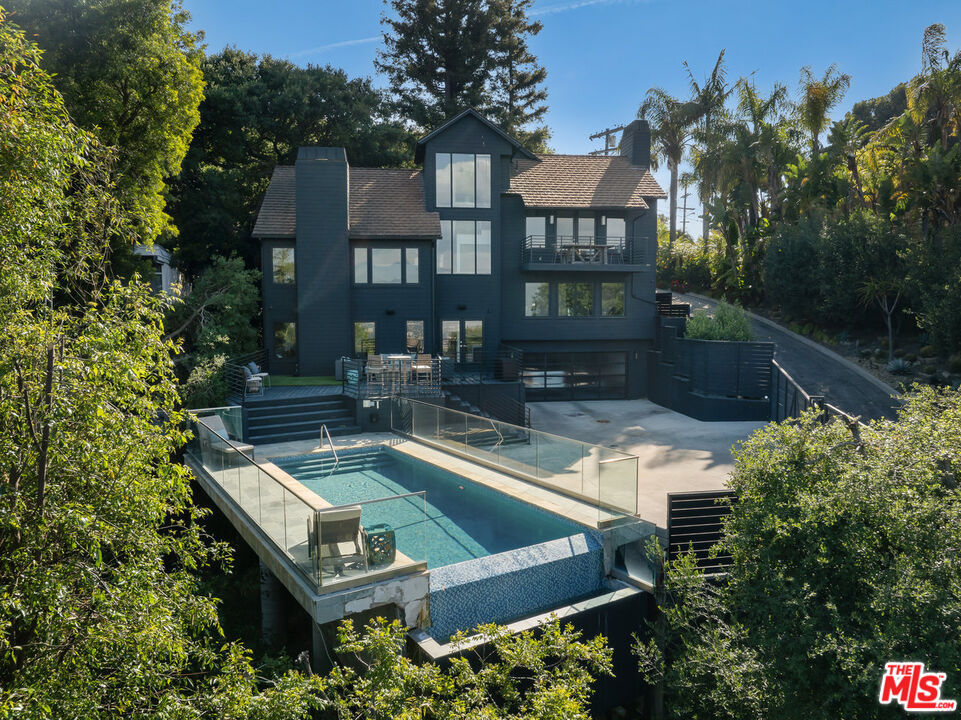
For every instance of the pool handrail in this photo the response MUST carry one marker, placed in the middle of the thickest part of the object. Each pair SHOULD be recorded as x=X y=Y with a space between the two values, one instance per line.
x=323 y=429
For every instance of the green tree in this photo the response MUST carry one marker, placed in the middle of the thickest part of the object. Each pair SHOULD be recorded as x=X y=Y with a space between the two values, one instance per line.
x=438 y=56
x=129 y=71
x=99 y=614
x=517 y=83
x=844 y=544
x=256 y=113
x=540 y=674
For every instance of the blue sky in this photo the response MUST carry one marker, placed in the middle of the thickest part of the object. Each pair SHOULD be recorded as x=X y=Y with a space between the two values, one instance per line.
x=601 y=56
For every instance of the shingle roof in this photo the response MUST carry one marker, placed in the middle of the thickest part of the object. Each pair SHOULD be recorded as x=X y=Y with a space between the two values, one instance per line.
x=278 y=212
x=384 y=203
x=389 y=203
x=583 y=181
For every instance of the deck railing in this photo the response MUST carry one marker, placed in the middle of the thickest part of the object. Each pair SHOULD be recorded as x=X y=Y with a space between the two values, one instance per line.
x=569 y=250
x=600 y=476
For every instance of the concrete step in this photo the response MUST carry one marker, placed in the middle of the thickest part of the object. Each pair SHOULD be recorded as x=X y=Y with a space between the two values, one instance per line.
x=268 y=438
x=309 y=414
x=287 y=408
x=258 y=401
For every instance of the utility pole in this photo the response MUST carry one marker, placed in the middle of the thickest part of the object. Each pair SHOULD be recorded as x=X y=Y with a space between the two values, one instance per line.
x=610 y=140
x=686 y=195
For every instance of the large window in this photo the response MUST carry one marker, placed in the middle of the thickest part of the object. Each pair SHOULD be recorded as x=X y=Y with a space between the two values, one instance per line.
x=415 y=336
x=285 y=339
x=364 y=338
x=282 y=259
x=464 y=247
x=462 y=340
x=612 y=299
x=536 y=230
x=575 y=299
x=537 y=299
x=463 y=180
x=565 y=229
x=386 y=266
x=585 y=228
x=615 y=230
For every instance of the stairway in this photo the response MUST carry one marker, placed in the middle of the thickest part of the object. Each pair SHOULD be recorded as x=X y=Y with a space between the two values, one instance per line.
x=271 y=421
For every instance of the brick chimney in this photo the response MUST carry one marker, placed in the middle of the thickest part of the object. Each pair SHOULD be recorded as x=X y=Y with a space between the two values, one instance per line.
x=636 y=143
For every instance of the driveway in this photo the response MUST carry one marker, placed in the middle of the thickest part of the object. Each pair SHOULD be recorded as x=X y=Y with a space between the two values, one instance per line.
x=676 y=453
x=818 y=370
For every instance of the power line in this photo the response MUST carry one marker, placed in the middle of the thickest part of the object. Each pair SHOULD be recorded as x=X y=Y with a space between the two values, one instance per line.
x=610 y=140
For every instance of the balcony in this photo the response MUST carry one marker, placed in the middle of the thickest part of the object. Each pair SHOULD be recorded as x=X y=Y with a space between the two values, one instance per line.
x=614 y=254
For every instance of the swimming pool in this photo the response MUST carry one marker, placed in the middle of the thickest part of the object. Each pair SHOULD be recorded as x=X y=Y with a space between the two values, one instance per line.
x=464 y=520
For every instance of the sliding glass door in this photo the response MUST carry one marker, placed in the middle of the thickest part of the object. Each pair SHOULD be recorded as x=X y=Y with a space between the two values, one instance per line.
x=462 y=340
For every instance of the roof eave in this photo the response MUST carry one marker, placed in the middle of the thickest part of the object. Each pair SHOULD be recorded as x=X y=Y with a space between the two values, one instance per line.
x=519 y=149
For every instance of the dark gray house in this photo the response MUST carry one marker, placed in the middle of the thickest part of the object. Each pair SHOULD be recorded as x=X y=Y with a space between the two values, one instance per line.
x=489 y=246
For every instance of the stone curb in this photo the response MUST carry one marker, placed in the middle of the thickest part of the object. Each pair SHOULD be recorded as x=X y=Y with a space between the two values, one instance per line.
x=878 y=383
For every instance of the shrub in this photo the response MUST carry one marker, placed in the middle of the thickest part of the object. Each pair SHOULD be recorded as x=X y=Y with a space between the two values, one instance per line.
x=954 y=364
x=927 y=351
x=929 y=369
x=899 y=366
x=899 y=353
x=911 y=357
x=206 y=386
x=729 y=322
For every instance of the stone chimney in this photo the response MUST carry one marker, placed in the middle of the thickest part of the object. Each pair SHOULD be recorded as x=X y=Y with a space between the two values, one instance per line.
x=636 y=143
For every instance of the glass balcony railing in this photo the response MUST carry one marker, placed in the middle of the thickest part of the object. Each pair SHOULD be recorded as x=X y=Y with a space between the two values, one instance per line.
x=570 y=250
x=329 y=547
x=605 y=478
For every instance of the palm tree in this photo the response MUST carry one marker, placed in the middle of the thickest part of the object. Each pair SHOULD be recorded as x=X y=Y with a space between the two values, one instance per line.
x=671 y=120
x=708 y=98
x=846 y=140
x=817 y=97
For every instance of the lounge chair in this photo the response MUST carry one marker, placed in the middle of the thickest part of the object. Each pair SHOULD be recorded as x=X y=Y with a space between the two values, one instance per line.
x=252 y=384
x=215 y=425
x=258 y=373
x=336 y=540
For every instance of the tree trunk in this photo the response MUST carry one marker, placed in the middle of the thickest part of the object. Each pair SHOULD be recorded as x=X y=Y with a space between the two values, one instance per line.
x=673 y=235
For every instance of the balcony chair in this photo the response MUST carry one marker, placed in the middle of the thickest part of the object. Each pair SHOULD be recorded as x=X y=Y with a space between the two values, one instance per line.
x=336 y=540
x=375 y=374
x=258 y=373
x=424 y=369
x=252 y=385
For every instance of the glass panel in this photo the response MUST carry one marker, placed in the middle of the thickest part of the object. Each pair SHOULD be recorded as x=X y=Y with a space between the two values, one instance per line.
x=612 y=299
x=462 y=180
x=473 y=341
x=536 y=299
x=617 y=487
x=483 y=181
x=464 y=247
x=585 y=228
x=442 y=179
x=283 y=264
x=412 y=261
x=385 y=265
x=364 y=336
x=559 y=463
x=575 y=299
x=450 y=339
x=483 y=247
x=444 y=264
x=297 y=516
x=565 y=230
x=415 y=336
x=615 y=231
x=536 y=229
x=360 y=265
x=285 y=339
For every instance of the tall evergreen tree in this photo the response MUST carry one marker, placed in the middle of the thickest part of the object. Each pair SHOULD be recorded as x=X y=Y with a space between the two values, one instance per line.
x=517 y=84
x=438 y=56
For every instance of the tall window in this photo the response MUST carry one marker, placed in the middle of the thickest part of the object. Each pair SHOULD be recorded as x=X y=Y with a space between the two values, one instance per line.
x=575 y=299
x=385 y=265
x=282 y=259
x=537 y=299
x=536 y=230
x=285 y=339
x=615 y=231
x=415 y=336
x=411 y=271
x=585 y=228
x=463 y=180
x=464 y=247
x=612 y=299
x=360 y=265
x=363 y=337
x=565 y=229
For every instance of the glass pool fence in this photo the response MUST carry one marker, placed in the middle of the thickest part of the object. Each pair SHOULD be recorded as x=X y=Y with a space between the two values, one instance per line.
x=601 y=476
x=329 y=546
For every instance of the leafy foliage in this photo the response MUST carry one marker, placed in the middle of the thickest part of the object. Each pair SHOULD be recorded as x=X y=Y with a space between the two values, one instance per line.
x=129 y=71
x=844 y=556
x=729 y=322
x=535 y=674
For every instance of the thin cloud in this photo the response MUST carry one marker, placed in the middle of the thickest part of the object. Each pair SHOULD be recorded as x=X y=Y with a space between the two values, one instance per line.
x=331 y=46
x=564 y=7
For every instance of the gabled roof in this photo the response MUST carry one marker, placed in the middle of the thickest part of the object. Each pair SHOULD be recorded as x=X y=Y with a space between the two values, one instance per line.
x=278 y=211
x=515 y=143
x=389 y=203
x=384 y=204
x=583 y=181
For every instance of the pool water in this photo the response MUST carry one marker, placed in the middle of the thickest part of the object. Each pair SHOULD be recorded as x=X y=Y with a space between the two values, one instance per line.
x=463 y=520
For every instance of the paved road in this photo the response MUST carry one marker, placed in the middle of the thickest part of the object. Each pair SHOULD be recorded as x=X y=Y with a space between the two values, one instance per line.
x=817 y=373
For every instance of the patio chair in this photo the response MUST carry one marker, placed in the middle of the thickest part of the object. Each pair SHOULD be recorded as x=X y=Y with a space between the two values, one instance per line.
x=258 y=373
x=375 y=373
x=215 y=424
x=252 y=385
x=424 y=369
x=336 y=540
